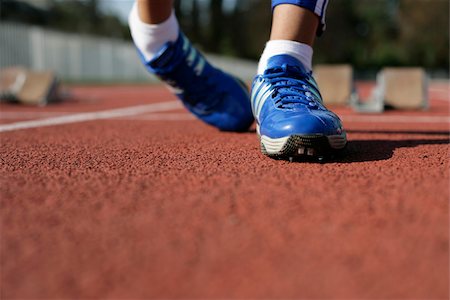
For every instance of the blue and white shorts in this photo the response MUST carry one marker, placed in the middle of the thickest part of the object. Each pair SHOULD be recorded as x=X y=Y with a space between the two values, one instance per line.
x=319 y=7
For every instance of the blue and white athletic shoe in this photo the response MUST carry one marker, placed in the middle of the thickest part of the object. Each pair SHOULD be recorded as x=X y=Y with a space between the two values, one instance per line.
x=291 y=119
x=213 y=96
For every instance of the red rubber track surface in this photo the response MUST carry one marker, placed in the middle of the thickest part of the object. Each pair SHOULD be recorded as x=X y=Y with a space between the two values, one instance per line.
x=162 y=206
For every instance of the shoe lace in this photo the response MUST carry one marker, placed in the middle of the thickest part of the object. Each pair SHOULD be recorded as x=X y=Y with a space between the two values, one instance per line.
x=291 y=87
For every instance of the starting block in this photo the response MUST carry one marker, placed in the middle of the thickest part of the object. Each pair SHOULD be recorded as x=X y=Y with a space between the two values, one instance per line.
x=404 y=88
x=28 y=87
x=398 y=88
x=335 y=83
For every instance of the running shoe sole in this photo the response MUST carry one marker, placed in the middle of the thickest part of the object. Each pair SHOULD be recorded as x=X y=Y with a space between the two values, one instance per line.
x=299 y=147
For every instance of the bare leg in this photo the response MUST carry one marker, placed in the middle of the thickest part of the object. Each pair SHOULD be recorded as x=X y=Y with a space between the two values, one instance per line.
x=294 y=23
x=154 y=11
x=294 y=29
x=152 y=25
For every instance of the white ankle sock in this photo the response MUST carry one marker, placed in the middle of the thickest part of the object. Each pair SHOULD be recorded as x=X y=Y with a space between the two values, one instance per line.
x=300 y=51
x=149 y=38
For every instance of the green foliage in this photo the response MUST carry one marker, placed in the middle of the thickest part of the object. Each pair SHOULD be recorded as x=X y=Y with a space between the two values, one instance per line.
x=366 y=33
x=82 y=16
x=372 y=34
x=85 y=17
x=242 y=31
x=369 y=34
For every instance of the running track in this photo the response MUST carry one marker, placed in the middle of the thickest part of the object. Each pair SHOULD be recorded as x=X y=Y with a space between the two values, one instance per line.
x=122 y=194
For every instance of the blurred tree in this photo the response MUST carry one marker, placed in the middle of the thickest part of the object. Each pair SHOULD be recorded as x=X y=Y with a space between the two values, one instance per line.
x=366 y=33
x=81 y=16
x=372 y=34
x=22 y=12
x=84 y=16
x=188 y=14
x=344 y=36
x=255 y=18
x=195 y=21
x=218 y=26
x=234 y=31
x=425 y=35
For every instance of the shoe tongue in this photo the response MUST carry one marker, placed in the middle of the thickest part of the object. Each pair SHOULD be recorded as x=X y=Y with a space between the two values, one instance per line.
x=284 y=59
x=292 y=95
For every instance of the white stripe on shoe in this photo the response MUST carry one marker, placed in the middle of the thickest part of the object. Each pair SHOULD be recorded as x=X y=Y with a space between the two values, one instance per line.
x=318 y=8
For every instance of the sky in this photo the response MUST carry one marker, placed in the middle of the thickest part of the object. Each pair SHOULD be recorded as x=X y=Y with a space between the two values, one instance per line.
x=120 y=8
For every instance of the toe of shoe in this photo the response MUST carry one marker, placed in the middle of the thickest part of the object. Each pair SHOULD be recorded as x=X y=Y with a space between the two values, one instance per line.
x=307 y=123
x=234 y=112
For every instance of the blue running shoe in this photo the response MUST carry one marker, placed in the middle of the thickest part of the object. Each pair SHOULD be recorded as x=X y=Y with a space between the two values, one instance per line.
x=291 y=119
x=213 y=96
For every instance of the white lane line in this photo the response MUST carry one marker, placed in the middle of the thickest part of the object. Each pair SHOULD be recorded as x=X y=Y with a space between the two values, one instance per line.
x=440 y=97
x=396 y=119
x=440 y=93
x=440 y=89
x=138 y=113
x=91 y=116
x=7 y=115
x=348 y=118
x=162 y=117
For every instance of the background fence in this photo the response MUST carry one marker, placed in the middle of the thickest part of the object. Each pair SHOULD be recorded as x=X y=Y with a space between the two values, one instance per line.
x=85 y=58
